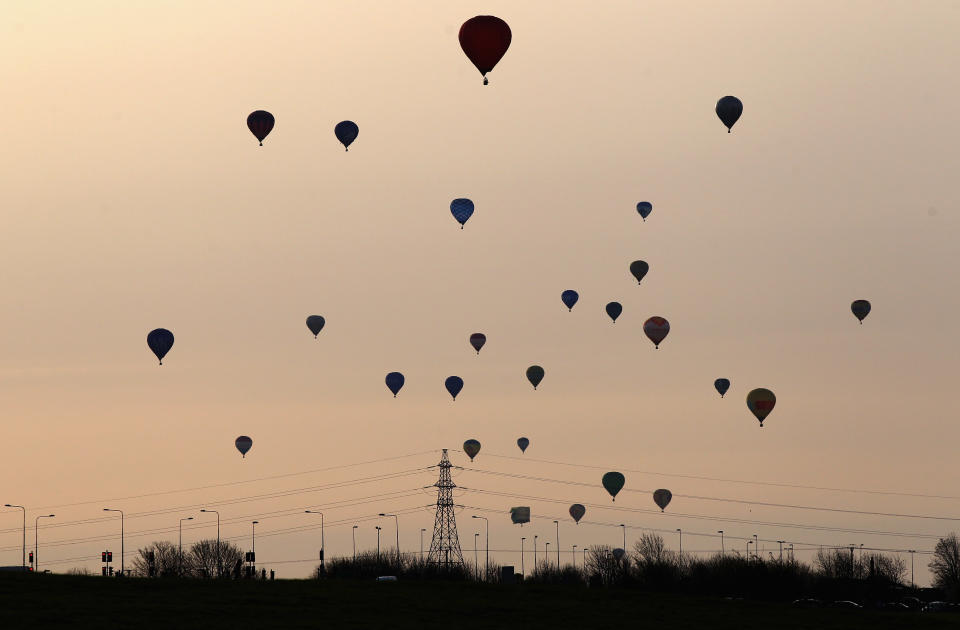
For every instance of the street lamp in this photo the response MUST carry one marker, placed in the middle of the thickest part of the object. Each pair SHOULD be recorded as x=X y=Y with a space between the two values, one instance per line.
x=557 y=523
x=24 y=530
x=679 y=531
x=756 y=547
x=522 y=540
x=749 y=542
x=722 y=552
x=780 y=542
x=396 y=520
x=574 y=557
x=378 y=544
x=322 y=543
x=219 y=562
x=487 y=570
x=912 y=583
x=180 y=553
x=422 y=529
x=253 y=546
x=355 y=542
x=546 y=554
x=121 y=535
x=624 y=528
x=36 y=541
x=476 y=561
x=535 y=553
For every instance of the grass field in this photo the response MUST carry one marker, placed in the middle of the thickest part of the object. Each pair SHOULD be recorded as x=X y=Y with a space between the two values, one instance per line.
x=51 y=601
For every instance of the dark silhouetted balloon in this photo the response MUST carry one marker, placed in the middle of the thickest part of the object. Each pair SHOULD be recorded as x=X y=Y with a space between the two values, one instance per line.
x=395 y=382
x=477 y=340
x=485 y=39
x=346 y=132
x=243 y=444
x=644 y=208
x=729 y=109
x=520 y=515
x=613 y=482
x=577 y=511
x=860 y=308
x=619 y=553
x=722 y=385
x=613 y=310
x=662 y=498
x=523 y=443
x=639 y=269
x=160 y=341
x=453 y=384
x=535 y=375
x=761 y=402
x=656 y=329
x=260 y=123
x=461 y=209
x=315 y=323
x=569 y=298
x=471 y=448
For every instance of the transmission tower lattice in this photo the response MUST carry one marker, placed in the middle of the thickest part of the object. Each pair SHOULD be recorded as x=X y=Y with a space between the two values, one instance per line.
x=445 y=545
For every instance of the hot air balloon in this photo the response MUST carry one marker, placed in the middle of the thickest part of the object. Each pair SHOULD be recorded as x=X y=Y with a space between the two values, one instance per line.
x=243 y=444
x=613 y=310
x=260 y=123
x=520 y=515
x=453 y=384
x=644 y=208
x=535 y=374
x=639 y=269
x=523 y=443
x=315 y=324
x=662 y=498
x=471 y=448
x=656 y=329
x=485 y=40
x=346 y=132
x=569 y=298
x=461 y=209
x=160 y=341
x=613 y=482
x=619 y=553
x=860 y=308
x=761 y=402
x=722 y=385
x=395 y=381
x=577 y=511
x=477 y=340
x=729 y=109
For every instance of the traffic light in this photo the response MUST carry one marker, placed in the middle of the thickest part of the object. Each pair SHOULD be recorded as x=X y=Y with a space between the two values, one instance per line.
x=103 y=557
x=109 y=556
x=31 y=557
x=103 y=570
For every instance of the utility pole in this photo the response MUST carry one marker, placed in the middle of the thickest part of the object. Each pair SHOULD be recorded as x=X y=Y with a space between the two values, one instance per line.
x=445 y=544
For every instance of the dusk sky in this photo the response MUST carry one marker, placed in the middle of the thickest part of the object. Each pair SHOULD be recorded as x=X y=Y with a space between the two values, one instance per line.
x=134 y=197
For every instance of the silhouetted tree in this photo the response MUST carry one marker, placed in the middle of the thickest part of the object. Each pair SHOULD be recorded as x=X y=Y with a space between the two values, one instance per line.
x=165 y=560
x=945 y=565
x=201 y=560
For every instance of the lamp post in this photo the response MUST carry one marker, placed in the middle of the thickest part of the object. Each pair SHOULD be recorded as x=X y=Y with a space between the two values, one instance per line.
x=756 y=547
x=722 y=552
x=323 y=561
x=180 y=548
x=546 y=554
x=557 y=523
x=487 y=569
x=680 y=531
x=24 y=530
x=574 y=557
x=624 y=528
x=522 y=540
x=791 y=552
x=749 y=542
x=912 y=583
x=476 y=561
x=36 y=541
x=219 y=561
x=121 y=535
x=780 y=542
x=421 y=542
x=535 y=553
x=396 y=521
x=355 y=542
x=378 y=544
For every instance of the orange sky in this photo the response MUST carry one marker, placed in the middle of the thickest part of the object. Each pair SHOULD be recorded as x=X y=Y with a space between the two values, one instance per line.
x=134 y=197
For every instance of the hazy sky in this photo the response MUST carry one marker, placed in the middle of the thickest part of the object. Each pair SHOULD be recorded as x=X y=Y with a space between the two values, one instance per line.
x=134 y=197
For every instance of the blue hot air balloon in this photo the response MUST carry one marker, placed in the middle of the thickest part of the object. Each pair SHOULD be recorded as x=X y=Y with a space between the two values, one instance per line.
x=461 y=209
x=160 y=341
x=453 y=384
x=613 y=310
x=644 y=208
x=569 y=298
x=346 y=132
x=722 y=385
x=395 y=382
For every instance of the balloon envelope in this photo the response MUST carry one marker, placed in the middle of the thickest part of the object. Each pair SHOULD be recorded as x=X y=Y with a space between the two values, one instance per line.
x=535 y=374
x=243 y=444
x=260 y=124
x=729 y=109
x=315 y=323
x=346 y=132
x=569 y=298
x=577 y=511
x=644 y=208
x=477 y=340
x=613 y=482
x=471 y=448
x=485 y=39
x=520 y=515
x=395 y=381
x=722 y=385
x=619 y=553
x=639 y=269
x=461 y=209
x=453 y=384
x=860 y=308
x=613 y=310
x=656 y=329
x=662 y=498
x=523 y=443
x=160 y=341
x=761 y=402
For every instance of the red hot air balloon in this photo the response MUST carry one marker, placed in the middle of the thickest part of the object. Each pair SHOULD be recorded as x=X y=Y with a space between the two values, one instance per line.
x=485 y=40
x=656 y=329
